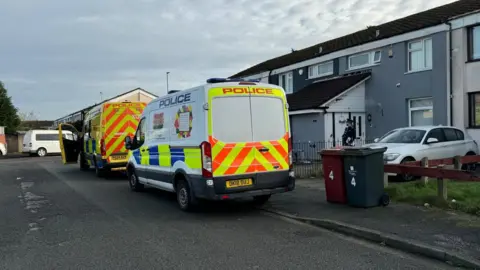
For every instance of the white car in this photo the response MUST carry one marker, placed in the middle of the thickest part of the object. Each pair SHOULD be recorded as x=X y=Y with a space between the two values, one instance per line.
x=433 y=142
x=3 y=149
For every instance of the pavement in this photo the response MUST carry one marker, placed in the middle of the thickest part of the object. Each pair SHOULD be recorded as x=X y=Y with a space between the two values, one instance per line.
x=57 y=217
x=449 y=236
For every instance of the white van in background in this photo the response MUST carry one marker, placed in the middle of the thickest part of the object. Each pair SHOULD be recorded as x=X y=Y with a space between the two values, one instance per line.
x=43 y=142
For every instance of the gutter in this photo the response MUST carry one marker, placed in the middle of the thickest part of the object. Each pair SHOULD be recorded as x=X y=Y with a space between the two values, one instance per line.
x=450 y=67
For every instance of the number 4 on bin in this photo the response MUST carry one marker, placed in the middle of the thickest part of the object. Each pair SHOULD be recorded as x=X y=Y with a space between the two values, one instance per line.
x=353 y=182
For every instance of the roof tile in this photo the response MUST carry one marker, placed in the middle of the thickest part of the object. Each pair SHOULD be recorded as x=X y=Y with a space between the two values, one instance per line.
x=428 y=18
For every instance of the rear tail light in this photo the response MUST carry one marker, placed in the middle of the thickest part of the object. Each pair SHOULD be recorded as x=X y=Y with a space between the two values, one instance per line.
x=103 y=150
x=206 y=149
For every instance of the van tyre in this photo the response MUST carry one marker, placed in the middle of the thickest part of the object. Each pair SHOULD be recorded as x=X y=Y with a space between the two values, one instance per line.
x=261 y=200
x=99 y=171
x=185 y=200
x=83 y=163
x=133 y=182
x=41 y=152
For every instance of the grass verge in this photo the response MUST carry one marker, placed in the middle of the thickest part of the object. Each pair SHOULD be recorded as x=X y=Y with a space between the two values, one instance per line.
x=462 y=196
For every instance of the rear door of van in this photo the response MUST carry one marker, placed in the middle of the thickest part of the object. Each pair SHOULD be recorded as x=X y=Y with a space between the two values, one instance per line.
x=118 y=121
x=248 y=131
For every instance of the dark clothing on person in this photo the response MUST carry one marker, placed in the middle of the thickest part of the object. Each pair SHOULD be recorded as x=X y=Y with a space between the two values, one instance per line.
x=348 y=136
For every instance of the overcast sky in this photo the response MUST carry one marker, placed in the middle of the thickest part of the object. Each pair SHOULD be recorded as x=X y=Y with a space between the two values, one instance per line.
x=57 y=56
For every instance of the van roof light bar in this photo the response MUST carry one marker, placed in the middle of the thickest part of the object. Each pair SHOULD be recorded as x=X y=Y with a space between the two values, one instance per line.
x=222 y=80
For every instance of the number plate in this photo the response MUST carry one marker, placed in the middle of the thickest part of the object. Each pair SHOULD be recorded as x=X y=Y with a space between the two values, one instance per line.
x=122 y=157
x=239 y=183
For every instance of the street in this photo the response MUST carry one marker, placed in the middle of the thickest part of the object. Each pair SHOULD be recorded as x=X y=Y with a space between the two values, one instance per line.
x=57 y=217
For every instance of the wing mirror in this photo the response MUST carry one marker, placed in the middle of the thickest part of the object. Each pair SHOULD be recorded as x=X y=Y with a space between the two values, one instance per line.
x=128 y=142
x=432 y=140
x=376 y=140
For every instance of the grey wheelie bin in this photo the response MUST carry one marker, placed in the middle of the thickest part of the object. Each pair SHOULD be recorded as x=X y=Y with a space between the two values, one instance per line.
x=363 y=174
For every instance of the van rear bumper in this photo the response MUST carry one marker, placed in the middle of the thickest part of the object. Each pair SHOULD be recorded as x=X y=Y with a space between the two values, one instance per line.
x=263 y=184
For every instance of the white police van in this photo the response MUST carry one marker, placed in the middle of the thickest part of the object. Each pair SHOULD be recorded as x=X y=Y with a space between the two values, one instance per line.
x=223 y=140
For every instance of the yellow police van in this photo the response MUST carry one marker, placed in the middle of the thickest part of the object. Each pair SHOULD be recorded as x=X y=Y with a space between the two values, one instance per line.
x=101 y=142
x=223 y=140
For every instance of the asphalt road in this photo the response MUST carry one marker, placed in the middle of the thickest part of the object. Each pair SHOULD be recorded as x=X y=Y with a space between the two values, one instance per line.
x=56 y=217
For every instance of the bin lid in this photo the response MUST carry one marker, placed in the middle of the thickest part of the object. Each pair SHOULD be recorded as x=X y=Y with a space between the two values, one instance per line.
x=331 y=152
x=363 y=151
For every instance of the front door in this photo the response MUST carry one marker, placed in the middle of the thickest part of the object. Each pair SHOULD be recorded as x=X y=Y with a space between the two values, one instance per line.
x=69 y=146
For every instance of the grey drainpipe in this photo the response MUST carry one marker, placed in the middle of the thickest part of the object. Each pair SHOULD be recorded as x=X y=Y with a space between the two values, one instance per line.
x=450 y=54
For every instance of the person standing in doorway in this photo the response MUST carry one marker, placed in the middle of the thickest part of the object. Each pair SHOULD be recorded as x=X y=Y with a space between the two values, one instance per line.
x=348 y=137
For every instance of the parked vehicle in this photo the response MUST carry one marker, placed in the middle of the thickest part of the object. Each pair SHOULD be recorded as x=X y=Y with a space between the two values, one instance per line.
x=43 y=142
x=101 y=142
x=434 y=142
x=3 y=149
x=222 y=140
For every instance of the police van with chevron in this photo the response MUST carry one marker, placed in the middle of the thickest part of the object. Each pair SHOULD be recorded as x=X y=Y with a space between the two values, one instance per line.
x=223 y=140
x=100 y=144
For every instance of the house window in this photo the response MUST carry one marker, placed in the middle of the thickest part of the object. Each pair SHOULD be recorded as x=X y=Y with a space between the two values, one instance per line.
x=474 y=43
x=420 y=112
x=320 y=70
x=364 y=59
x=474 y=109
x=420 y=55
x=285 y=80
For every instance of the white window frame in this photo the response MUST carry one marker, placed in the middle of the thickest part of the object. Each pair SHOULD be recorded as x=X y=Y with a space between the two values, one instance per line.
x=371 y=59
x=313 y=71
x=471 y=40
x=283 y=79
x=424 y=108
x=423 y=49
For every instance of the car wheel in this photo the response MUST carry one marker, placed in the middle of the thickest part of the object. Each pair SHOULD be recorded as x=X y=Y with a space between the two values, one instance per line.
x=133 y=181
x=184 y=196
x=406 y=177
x=41 y=152
x=469 y=167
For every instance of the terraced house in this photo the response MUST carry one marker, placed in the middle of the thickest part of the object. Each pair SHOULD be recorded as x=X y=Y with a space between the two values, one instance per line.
x=387 y=76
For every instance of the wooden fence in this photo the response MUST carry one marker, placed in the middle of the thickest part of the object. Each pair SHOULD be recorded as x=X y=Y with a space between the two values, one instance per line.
x=437 y=169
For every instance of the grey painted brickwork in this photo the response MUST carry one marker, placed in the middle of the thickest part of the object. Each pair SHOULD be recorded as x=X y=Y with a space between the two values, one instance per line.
x=387 y=103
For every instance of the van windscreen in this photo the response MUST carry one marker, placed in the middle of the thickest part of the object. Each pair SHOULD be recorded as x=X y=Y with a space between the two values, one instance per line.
x=231 y=121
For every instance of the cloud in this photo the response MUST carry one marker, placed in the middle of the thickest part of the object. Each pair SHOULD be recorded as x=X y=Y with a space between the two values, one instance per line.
x=57 y=56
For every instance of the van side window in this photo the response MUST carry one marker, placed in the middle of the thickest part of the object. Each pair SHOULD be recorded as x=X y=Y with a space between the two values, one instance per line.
x=140 y=133
x=46 y=137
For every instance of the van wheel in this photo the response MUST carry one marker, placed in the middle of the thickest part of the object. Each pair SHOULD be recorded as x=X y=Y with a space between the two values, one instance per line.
x=83 y=163
x=41 y=152
x=133 y=181
x=184 y=196
x=261 y=200
x=99 y=171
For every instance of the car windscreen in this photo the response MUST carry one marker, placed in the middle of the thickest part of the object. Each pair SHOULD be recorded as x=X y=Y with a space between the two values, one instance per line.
x=403 y=136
